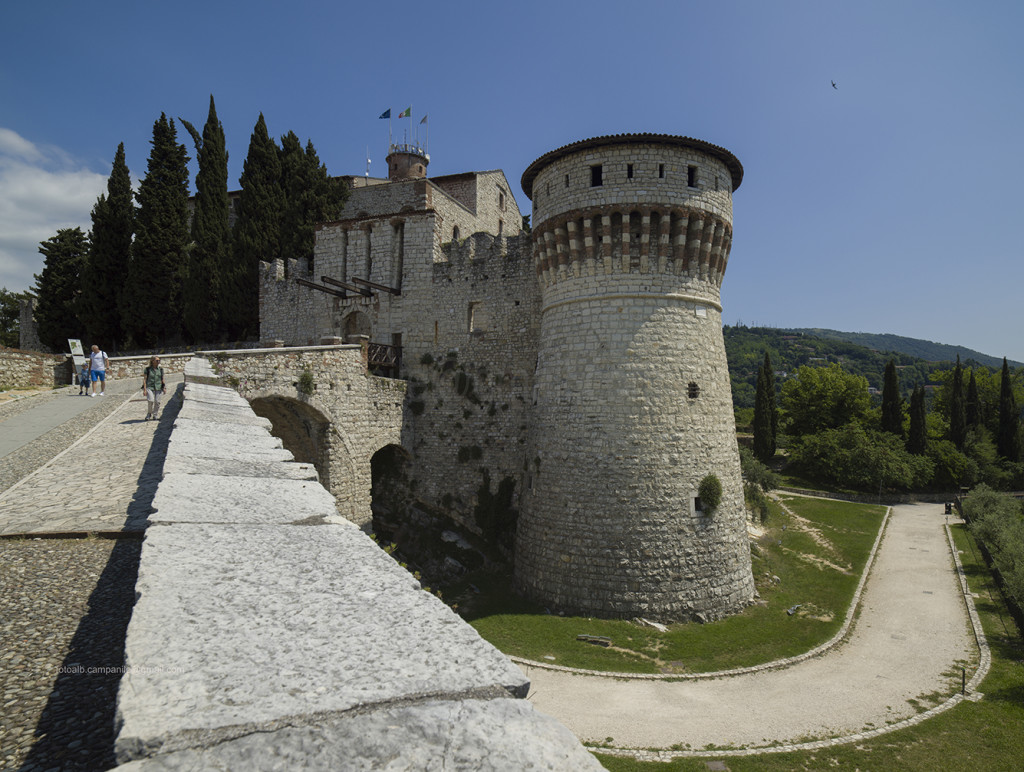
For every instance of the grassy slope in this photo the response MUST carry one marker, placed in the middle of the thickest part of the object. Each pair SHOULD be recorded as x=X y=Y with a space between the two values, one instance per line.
x=985 y=735
x=820 y=575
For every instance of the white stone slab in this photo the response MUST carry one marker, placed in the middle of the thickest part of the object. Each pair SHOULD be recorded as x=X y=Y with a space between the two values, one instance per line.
x=233 y=467
x=232 y=432
x=214 y=447
x=470 y=735
x=207 y=498
x=238 y=626
x=235 y=414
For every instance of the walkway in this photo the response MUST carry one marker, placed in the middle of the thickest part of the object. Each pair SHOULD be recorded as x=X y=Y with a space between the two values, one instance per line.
x=102 y=483
x=67 y=601
x=908 y=643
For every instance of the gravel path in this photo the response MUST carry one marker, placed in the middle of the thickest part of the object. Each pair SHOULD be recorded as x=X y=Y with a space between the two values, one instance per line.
x=65 y=603
x=64 y=608
x=908 y=642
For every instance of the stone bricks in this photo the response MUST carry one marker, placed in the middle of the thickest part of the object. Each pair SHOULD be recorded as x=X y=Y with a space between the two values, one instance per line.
x=557 y=366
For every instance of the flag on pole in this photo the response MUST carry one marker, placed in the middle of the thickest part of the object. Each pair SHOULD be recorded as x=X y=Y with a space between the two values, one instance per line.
x=386 y=114
x=424 y=119
x=406 y=113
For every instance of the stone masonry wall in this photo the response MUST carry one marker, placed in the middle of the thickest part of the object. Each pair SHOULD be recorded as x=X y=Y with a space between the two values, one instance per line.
x=20 y=369
x=360 y=413
x=315 y=650
x=632 y=403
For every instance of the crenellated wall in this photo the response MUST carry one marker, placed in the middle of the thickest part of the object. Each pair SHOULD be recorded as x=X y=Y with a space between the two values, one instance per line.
x=573 y=379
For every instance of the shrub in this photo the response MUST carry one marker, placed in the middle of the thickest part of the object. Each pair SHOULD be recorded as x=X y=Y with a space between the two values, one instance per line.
x=306 y=384
x=710 y=492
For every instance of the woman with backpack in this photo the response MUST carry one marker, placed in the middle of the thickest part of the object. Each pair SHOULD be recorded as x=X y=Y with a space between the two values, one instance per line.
x=153 y=387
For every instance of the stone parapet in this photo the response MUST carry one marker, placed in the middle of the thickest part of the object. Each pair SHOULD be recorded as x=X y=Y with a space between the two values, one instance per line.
x=20 y=369
x=269 y=635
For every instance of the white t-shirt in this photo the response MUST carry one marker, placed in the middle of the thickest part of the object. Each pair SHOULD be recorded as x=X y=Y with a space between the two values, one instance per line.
x=96 y=360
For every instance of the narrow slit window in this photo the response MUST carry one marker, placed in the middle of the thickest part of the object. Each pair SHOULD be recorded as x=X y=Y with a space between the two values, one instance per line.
x=567 y=180
x=629 y=171
x=693 y=390
x=661 y=171
x=595 y=176
x=691 y=176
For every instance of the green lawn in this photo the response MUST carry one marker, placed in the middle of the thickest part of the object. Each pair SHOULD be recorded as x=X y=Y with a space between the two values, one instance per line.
x=985 y=735
x=818 y=562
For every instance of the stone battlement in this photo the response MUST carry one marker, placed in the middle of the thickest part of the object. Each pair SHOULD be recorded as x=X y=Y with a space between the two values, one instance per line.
x=271 y=633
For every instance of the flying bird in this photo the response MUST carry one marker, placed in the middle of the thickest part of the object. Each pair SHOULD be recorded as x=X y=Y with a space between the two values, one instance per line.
x=835 y=86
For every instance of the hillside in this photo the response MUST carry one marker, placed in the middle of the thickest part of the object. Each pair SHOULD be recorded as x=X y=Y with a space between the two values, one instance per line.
x=915 y=347
x=791 y=349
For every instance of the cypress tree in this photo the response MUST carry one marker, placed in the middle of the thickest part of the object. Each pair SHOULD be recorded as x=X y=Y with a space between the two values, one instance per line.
x=160 y=249
x=892 y=403
x=113 y=224
x=208 y=260
x=257 y=233
x=917 y=443
x=1009 y=417
x=958 y=408
x=58 y=287
x=311 y=196
x=765 y=413
x=972 y=406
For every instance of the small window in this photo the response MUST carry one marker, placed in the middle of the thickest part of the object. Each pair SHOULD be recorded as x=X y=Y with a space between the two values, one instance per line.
x=595 y=176
x=548 y=189
x=698 y=507
x=455 y=233
x=567 y=180
x=629 y=171
x=501 y=227
x=661 y=171
x=501 y=201
x=691 y=176
x=477 y=317
x=692 y=390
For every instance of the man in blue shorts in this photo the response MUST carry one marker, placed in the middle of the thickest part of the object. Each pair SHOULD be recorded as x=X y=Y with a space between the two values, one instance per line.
x=98 y=364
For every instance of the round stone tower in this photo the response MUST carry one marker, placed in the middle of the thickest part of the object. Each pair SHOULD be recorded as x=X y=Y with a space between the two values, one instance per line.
x=632 y=400
x=407 y=162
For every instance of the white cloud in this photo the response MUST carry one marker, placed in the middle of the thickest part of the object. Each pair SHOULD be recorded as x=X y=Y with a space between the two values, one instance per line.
x=41 y=190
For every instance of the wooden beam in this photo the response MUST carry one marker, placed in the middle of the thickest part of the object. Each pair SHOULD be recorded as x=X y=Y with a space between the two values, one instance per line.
x=379 y=287
x=328 y=290
x=358 y=290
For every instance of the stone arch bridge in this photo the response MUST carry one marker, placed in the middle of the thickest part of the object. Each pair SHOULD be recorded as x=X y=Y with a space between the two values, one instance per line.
x=327 y=409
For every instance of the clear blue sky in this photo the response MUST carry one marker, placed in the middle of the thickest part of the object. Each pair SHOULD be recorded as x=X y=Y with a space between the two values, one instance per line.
x=890 y=204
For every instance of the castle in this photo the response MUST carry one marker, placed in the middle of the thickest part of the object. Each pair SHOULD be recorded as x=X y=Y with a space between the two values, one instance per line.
x=568 y=387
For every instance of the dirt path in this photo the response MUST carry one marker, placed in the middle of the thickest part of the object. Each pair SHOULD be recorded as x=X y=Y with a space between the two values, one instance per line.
x=904 y=651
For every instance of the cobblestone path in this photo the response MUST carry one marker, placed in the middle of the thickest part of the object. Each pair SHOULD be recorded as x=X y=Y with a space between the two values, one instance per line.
x=65 y=602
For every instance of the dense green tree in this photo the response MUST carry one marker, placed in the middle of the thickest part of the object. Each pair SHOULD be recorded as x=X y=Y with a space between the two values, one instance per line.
x=917 y=442
x=972 y=405
x=152 y=289
x=824 y=398
x=58 y=287
x=765 y=413
x=958 y=408
x=210 y=255
x=892 y=402
x=257 y=234
x=113 y=225
x=997 y=520
x=310 y=195
x=10 y=317
x=1009 y=418
x=853 y=457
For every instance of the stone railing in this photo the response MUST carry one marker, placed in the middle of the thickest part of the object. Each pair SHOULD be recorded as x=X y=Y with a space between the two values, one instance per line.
x=269 y=633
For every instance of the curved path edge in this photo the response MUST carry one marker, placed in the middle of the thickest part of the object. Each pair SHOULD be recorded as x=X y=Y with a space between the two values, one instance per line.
x=971 y=693
x=777 y=664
